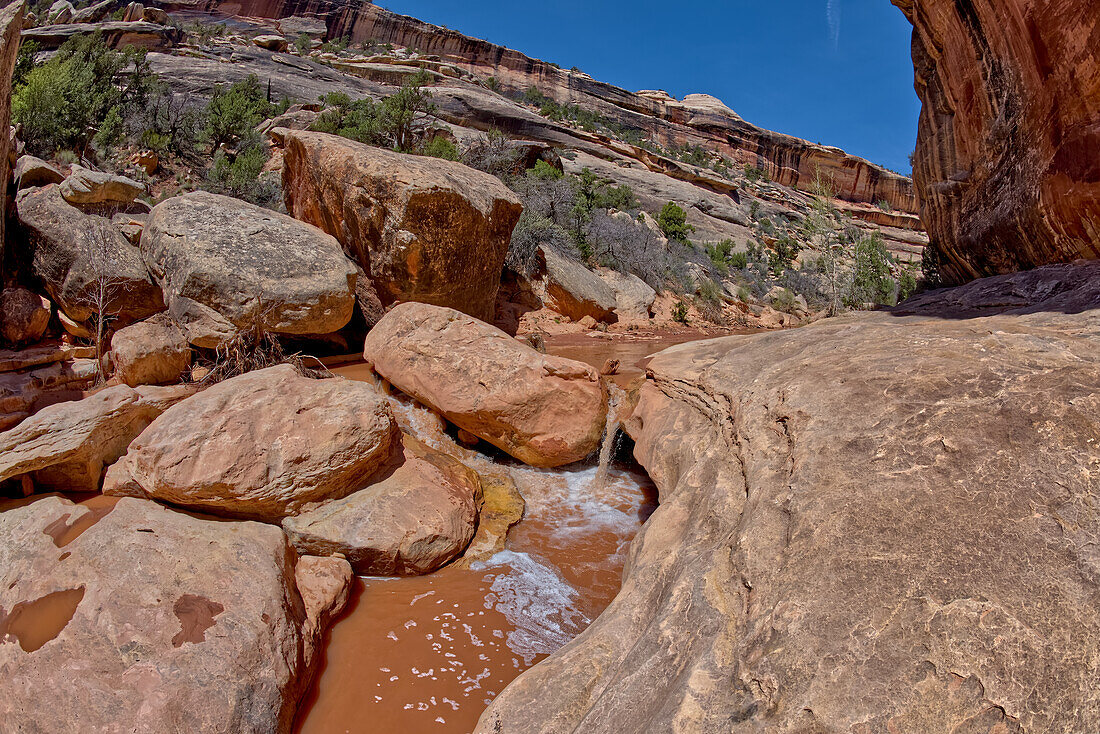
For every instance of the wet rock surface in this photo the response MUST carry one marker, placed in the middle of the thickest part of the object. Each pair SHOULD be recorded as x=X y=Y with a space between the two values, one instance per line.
x=226 y=265
x=881 y=522
x=427 y=229
x=125 y=624
x=411 y=522
x=544 y=410
x=260 y=446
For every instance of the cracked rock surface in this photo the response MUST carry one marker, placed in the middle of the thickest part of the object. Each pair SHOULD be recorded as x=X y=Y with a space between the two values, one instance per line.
x=884 y=522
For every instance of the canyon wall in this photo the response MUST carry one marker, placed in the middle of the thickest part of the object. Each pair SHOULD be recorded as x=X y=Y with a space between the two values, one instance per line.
x=699 y=119
x=1008 y=151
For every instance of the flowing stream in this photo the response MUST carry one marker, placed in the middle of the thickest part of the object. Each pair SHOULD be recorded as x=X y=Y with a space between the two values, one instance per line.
x=429 y=653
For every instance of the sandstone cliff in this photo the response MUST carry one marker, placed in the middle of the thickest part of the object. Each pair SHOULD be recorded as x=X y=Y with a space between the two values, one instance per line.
x=1008 y=151
x=696 y=120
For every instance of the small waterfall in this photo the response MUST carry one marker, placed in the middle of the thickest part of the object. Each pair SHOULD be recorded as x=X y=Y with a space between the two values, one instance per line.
x=615 y=397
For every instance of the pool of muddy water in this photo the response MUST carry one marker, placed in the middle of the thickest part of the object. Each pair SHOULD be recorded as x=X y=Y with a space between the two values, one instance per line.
x=428 y=654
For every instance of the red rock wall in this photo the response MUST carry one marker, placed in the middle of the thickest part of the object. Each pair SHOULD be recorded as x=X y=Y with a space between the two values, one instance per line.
x=11 y=23
x=1008 y=150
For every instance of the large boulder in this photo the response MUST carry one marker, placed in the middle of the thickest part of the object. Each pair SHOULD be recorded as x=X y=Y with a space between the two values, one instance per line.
x=67 y=446
x=575 y=291
x=30 y=172
x=544 y=410
x=71 y=252
x=876 y=523
x=1006 y=165
x=150 y=352
x=261 y=446
x=94 y=12
x=85 y=188
x=426 y=229
x=419 y=517
x=226 y=266
x=271 y=42
x=633 y=296
x=24 y=315
x=142 y=618
x=60 y=12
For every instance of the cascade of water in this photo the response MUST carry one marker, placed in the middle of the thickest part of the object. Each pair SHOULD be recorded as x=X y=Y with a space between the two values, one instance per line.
x=615 y=397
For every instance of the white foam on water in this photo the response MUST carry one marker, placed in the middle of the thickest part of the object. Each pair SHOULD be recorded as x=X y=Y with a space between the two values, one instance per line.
x=536 y=601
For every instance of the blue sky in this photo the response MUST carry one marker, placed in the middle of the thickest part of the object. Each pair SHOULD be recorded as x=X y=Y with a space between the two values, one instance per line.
x=831 y=71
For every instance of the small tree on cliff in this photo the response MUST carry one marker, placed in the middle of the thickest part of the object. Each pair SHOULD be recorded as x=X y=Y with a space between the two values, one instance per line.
x=673 y=222
x=104 y=288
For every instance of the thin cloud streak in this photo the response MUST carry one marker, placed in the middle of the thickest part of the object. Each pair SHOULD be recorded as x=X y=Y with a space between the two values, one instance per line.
x=832 y=14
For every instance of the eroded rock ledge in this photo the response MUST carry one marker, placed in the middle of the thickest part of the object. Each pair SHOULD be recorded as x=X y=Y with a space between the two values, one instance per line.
x=882 y=522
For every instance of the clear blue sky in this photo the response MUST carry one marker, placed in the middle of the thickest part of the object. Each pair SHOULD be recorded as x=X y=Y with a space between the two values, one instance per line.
x=836 y=72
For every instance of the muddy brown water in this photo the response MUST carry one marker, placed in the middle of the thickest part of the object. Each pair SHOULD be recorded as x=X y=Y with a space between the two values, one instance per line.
x=428 y=654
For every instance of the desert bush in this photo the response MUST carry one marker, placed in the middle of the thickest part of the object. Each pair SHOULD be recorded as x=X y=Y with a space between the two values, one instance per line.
x=784 y=251
x=871 y=281
x=239 y=173
x=784 y=300
x=627 y=245
x=673 y=222
x=303 y=43
x=62 y=102
x=739 y=260
x=441 y=147
x=533 y=231
x=491 y=153
x=235 y=110
x=390 y=123
x=754 y=173
x=680 y=312
x=907 y=284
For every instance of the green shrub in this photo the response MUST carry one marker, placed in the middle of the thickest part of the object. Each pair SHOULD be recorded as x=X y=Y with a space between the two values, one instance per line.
x=544 y=171
x=784 y=251
x=111 y=131
x=930 y=262
x=673 y=222
x=303 y=43
x=235 y=110
x=62 y=102
x=907 y=284
x=680 y=312
x=884 y=205
x=871 y=281
x=784 y=300
x=739 y=260
x=753 y=173
x=387 y=123
x=239 y=174
x=441 y=147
